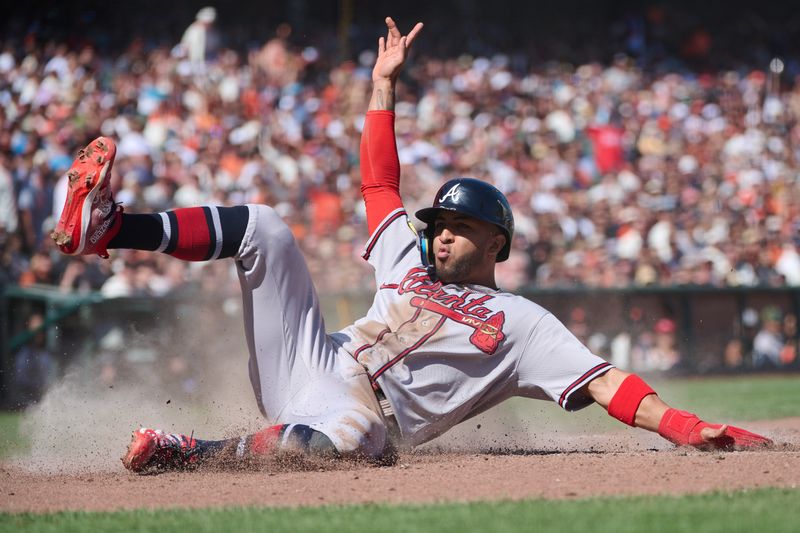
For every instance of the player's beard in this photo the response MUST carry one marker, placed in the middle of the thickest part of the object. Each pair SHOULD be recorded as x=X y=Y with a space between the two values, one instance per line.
x=456 y=270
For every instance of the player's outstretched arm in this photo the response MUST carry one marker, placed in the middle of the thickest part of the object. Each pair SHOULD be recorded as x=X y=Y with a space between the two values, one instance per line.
x=392 y=54
x=630 y=400
x=380 y=165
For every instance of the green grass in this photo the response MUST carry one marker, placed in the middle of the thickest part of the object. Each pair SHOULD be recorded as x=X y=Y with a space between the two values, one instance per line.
x=772 y=510
x=739 y=398
x=10 y=440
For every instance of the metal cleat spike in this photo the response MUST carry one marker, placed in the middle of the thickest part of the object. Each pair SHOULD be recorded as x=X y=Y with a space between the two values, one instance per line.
x=102 y=146
x=73 y=176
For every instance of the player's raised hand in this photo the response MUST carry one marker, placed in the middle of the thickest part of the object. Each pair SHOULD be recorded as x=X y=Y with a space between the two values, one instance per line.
x=392 y=51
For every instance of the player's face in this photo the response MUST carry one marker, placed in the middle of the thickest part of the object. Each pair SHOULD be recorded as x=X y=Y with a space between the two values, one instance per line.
x=465 y=248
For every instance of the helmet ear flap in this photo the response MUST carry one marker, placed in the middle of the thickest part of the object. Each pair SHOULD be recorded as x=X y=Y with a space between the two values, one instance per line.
x=425 y=237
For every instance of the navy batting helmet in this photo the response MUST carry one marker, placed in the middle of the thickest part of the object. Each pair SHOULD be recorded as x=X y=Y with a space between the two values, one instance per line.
x=477 y=199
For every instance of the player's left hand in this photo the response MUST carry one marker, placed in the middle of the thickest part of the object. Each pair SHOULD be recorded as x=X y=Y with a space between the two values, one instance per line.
x=725 y=437
x=392 y=51
x=686 y=429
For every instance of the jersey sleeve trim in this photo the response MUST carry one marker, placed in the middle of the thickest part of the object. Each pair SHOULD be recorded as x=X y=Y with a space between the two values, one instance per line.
x=589 y=375
x=373 y=240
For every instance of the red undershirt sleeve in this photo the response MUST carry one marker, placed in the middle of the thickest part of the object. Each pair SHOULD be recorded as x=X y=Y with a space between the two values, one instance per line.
x=380 y=167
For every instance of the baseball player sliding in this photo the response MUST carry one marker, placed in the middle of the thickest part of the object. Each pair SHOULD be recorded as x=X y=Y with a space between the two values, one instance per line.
x=440 y=343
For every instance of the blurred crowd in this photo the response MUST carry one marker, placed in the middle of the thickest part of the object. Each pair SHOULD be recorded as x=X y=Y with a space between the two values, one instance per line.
x=618 y=175
x=765 y=340
x=652 y=150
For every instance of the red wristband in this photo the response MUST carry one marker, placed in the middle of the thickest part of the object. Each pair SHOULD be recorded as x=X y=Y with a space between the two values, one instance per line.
x=629 y=396
x=682 y=428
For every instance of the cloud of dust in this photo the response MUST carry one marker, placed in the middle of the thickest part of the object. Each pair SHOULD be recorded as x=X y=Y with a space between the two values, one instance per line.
x=533 y=426
x=83 y=424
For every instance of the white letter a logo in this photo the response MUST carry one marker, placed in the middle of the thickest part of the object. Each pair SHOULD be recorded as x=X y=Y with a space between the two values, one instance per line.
x=450 y=194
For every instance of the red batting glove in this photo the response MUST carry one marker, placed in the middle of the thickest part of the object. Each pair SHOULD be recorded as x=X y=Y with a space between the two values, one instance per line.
x=683 y=429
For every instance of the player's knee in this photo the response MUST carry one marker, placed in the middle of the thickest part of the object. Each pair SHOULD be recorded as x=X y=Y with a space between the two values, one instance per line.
x=271 y=231
x=317 y=444
x=361 y=436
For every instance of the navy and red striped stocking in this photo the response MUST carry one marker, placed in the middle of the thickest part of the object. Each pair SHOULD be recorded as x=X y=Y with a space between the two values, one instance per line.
x=266 y=443
x=191 y=233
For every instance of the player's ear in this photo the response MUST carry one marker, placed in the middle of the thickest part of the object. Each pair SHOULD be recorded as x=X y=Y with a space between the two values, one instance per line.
x=496 y=244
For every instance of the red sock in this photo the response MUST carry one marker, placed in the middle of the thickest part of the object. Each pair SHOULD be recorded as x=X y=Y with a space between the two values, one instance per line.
x=266 y=441
x=297 y=437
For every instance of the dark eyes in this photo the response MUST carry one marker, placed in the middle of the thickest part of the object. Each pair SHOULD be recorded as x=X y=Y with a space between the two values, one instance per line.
x=453 y=226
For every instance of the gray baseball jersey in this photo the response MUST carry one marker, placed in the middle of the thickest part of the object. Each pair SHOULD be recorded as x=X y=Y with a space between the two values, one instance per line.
x=443 y=353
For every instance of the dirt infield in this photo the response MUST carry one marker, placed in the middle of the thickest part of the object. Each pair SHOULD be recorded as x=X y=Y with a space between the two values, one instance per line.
x=621 y=463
